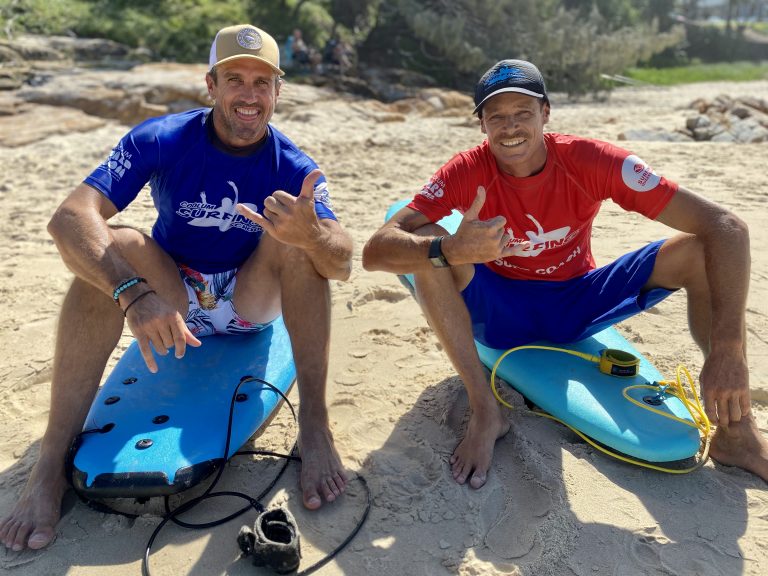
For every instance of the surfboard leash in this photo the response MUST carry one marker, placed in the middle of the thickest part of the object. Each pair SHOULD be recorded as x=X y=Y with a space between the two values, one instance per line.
x=287 y=521
x=276 y=534
x=620 y=363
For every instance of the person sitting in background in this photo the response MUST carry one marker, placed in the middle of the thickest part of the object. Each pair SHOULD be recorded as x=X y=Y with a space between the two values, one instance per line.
x=336 y=55
x=286 y=52
x=300 y=50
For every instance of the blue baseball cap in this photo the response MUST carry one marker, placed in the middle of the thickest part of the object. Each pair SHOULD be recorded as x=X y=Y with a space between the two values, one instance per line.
x=510 y=76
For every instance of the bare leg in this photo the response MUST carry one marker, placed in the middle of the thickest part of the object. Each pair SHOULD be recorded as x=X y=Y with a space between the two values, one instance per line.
x=280 y=277
x=438 y=292
x=680 y=264
x=309 y=322
x=89 y=328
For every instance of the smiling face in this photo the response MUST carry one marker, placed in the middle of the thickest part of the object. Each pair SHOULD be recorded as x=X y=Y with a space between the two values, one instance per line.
x=514 y=124
x=244 y=92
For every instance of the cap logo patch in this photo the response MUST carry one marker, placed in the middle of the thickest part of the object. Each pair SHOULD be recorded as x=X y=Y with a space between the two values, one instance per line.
x=249 y=38
x=504 y=74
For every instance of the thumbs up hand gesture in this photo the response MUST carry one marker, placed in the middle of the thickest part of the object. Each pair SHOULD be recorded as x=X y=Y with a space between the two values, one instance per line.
x=477 y=240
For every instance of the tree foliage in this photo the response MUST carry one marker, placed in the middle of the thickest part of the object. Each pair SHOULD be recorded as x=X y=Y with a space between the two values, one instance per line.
x=574 y=42
x=41 y=16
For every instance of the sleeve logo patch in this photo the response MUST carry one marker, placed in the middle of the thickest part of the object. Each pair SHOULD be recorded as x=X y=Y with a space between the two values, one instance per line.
x=433 y=189
x=637 y=175
x=322 y=195
x=118 y=162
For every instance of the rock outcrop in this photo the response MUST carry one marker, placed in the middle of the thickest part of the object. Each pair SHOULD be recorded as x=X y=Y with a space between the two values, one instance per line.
x=723 y=119
x=727 y=119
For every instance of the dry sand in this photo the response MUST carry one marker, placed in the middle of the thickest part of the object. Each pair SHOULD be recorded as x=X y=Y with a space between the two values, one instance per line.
x=552 y=505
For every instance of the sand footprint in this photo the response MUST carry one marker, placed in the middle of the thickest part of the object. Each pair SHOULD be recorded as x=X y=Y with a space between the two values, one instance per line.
x=416 y=361
x=516 y=534
x=405 y=472
x=645 y=549
x=654 y=553
x=384 y=293
x=698 y=558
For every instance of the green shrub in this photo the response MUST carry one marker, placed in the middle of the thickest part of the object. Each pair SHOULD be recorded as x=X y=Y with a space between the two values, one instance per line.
x=732 y=71
x=42 y=16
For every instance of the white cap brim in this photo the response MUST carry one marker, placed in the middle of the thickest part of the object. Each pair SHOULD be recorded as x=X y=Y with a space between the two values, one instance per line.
x=509 y=89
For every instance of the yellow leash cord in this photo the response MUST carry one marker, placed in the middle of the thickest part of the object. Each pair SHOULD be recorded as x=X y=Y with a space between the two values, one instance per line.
x=673 y=388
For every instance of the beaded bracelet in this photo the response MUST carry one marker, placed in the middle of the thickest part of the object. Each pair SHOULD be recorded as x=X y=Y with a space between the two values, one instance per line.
x=139 y=297
x=124 y=285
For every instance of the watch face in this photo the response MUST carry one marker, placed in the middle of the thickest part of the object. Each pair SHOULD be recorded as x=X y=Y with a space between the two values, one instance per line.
x=439 y=261
x=436 y=254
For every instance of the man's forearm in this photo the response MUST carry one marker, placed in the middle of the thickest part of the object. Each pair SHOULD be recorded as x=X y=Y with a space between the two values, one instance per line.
x=397 y=251
x=728 y=267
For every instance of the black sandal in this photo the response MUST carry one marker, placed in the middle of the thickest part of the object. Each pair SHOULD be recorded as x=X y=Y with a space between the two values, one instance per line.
x=273 y=542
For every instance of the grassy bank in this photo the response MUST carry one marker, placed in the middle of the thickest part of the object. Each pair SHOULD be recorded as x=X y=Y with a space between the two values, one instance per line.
x=727 y=71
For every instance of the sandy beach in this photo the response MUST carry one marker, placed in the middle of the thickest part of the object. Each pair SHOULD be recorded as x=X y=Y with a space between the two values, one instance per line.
x=552 y=505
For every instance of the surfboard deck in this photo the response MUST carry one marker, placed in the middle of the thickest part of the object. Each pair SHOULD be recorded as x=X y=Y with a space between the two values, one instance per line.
x=168 y=429
x=575 y=391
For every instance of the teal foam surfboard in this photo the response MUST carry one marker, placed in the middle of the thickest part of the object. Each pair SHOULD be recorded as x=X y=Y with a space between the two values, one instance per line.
x=167 y=431
x=575 y=391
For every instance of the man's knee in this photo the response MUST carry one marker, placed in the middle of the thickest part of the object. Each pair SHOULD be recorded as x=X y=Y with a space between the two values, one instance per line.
x=273 y=266
x=132 y=242
x=276 y=258
x=680 y=263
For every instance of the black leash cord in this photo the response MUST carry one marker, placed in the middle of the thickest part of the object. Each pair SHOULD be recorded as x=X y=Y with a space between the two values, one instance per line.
x=328 y=557
x=172 y=515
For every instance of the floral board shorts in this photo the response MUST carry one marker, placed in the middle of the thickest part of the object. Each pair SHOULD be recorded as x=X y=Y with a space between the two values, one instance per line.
x=211 y=310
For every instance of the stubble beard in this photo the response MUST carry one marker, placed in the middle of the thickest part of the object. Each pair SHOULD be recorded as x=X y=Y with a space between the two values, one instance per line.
x=237 y=131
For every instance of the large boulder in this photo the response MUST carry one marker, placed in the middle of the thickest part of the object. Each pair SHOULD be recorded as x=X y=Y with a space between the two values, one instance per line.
x=24 y=57
x=33 y=48
x=129 y=96
x=33 y=123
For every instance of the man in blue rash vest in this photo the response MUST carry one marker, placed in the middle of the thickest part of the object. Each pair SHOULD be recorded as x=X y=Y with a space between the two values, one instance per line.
x=244 y=233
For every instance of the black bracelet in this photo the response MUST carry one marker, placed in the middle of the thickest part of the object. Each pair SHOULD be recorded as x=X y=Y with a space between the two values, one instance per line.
x=124 y=285
x=139 y=297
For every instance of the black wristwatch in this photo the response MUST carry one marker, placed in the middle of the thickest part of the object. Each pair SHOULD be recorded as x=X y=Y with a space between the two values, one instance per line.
x=436 y=256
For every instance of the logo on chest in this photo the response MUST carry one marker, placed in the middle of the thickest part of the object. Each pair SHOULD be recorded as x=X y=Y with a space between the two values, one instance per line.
x=538 y=240
x=204 y=214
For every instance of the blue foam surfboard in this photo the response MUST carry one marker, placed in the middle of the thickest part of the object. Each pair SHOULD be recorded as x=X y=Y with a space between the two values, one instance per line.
x=168 y=429
x=575 y=391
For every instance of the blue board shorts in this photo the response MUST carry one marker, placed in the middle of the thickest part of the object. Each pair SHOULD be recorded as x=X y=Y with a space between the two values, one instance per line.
x=211 y=310
x=507 y=313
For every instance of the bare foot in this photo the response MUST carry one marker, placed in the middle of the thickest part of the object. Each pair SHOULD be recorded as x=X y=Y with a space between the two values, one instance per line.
x=321 y=470
x=33 y=520
x=741 y=444
x=475 y=452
